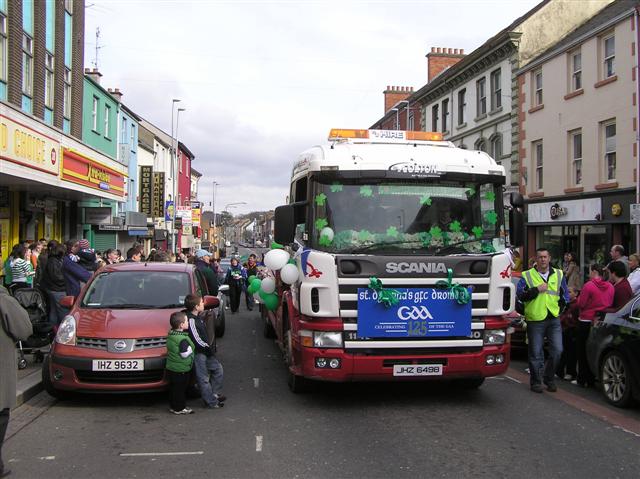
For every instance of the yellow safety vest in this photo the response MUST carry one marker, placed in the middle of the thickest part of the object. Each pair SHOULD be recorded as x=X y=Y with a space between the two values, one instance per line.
x=546 y=302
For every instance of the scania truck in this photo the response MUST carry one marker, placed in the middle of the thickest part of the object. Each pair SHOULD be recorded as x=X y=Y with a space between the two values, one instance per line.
x=402 y=250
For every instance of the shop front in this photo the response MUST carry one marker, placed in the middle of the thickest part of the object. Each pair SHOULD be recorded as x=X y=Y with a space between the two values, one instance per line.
x=587 y=227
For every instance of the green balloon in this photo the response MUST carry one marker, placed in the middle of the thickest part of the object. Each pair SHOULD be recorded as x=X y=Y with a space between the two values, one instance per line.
x=263 y=295
x=275 y=245
x=254 y=286
x=271 y=301
x=251 y=278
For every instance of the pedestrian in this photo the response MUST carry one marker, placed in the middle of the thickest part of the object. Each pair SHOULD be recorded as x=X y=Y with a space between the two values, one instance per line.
x=21 y=270
x=571 y=271
x=543 y=290
x=252 y=270
x=596 y=295
x=42 y=260
x=568 y=366
x=134 y=255
x=621 y=287
x=209 y=372
x=14 y=326
x=53 y=283
x=36 y=249
x=74 y=274
x=111 y=256
x=634 y=275
x=180 y=355
x=87 y=257
x=617 y=254
x=203 y=264
x=6 y=267
x=236 y=278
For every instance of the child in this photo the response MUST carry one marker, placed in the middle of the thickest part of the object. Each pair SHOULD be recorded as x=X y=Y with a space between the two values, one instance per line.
x=86 y=256
x=179 y=362
x=209 y=373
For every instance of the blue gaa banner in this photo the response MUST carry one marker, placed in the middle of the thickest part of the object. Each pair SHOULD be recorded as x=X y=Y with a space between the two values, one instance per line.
x=421 y=312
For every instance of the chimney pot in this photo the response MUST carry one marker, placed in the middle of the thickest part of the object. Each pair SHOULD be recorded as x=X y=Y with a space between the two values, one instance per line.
x=433 y=49
x=455 y=51
x=449 y=51
x=462 y=51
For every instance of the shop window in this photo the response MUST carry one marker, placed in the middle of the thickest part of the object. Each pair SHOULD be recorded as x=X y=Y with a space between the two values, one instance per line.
x=67 y=95
x=576 y=70
x=445 y=115
x=434 y=117
x=27 y=65
x=107 y=116
x=462 y=107
x=496 y=89
x=94 y=114
x=48 y=80
x=609 y=56
x=576 y=157
x=537 y=88
x=537 y=151
x=481 y=96
x=610 y=150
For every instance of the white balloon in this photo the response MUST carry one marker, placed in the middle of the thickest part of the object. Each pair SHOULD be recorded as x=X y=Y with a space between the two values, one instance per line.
x=257 y=297
x=276 y=259
x=289 y=273
x=328 y=232
x=268 y=285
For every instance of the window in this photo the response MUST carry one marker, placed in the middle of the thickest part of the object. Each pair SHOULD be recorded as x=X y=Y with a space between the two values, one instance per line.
x=133 y=136
x=538 y=160
x=27 y=65
x=107 y=114
x=537 y=87
x=496 y=89
x=411 y=122
x=3 y=47
x=481 y=145
x=462 y=106
x=609 y=49
x=576 y=157
x=67 y=94
x=434 y=118
x=123 y=133
x=610 y=150
x=94 y=114
x=68 y=5
x=445 y=115
x=481 y=97
x=576 y=71
x=180 y=161
x=48 y=81
x=496 y=148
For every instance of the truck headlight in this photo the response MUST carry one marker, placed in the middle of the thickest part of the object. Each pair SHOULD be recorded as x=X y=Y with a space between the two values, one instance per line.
x=494 y=336
x=327 y=339
x=67 y=331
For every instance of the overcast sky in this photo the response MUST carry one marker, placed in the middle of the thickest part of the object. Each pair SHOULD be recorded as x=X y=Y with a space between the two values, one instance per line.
x=263 y=80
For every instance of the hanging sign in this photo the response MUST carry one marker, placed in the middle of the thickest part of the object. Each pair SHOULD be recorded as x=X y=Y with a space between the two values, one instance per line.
x=146 y=190
x=158 y=193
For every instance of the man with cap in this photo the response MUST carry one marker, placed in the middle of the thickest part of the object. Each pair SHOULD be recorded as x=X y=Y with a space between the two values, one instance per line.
x=203 y=264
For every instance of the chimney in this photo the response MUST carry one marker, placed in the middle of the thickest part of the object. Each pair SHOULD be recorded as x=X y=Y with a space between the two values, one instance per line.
x=394 y=94
x=442 y=58
x=94 y=74
x=116 y=93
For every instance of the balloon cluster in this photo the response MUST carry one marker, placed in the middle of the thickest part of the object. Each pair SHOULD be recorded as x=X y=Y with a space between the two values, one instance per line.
x=264 y=290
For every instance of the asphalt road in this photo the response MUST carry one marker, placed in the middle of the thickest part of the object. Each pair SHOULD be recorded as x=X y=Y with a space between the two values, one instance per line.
x=340 y=431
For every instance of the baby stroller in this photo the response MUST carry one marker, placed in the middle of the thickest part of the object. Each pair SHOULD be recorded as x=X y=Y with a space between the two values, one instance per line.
x=33 y=300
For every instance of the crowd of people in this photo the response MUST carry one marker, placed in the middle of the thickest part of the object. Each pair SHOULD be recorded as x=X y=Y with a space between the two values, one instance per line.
x=558 y=306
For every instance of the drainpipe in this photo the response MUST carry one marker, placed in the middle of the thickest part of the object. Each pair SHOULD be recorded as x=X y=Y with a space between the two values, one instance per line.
x=636 y=17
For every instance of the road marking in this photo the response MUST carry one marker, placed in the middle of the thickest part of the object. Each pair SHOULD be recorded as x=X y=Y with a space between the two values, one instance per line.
x=256 y=382
x=258 y=443
x=183 y=453
x=512 y=379
x=47 y=458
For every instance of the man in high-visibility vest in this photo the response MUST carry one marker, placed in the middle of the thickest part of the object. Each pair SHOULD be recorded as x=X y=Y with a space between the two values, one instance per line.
x=544 y=292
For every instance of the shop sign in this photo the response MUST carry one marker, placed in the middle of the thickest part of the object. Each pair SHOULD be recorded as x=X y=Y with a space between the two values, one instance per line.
x=25 y=146
x=79 y=169
x=158 y=193
x=185 y=213
x=111 y=227
x=589 y=209
x=146 y=190
x=556 y=211
x=168 y=210
x=97 y=216
x=187 y=230
x=195 y=216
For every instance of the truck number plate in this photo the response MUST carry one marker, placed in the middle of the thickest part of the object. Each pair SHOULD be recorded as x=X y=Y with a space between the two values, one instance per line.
x=417 y=370
x=118 y=365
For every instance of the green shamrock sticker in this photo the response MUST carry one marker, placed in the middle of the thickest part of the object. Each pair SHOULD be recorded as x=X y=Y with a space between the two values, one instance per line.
x=364 y=235
x=488 y=248
x=477 y=231
x=490 y=195
x=471 y=191
x=425 y=200
x=321 y=223
x=425 y=238
x=321 y=199
x=455 y=227
x=491 y=217
x=336 y=188
x=325 y=241
x=392 y=232
x=435 y=232
x=366 y=191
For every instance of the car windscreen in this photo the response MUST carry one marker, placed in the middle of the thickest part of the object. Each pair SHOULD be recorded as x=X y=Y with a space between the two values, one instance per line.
x=137 y=290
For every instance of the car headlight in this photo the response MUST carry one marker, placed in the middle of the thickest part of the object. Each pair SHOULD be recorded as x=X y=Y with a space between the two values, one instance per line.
x=494 y=336
x=327 y=339
x=67 y=331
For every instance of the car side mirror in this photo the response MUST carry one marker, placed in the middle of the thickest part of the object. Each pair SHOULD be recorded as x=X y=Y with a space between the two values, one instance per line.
x=211 y=302
x=67 y=301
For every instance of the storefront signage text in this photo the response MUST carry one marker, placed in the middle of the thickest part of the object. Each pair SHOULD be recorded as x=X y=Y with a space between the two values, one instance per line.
x=146 y=190
x=158 y=193
x=76 y=168
x=556 y=211
x=25 y=146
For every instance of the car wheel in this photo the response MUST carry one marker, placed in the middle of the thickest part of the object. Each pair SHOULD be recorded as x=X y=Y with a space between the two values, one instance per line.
x=615 y=379
x=297 y=384
x=220 y=323
x=48 y=384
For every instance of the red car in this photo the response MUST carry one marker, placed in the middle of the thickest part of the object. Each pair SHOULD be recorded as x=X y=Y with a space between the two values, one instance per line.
x=114 y=338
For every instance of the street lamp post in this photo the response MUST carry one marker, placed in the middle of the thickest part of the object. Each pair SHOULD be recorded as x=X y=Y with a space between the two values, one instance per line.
x=173 y=177
x=176 y=170
x=213 y=207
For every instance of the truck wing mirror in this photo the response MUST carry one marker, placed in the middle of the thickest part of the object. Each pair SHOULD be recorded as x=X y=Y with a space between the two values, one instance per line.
x=516 y=200
x=284 y=224
x=516 y=227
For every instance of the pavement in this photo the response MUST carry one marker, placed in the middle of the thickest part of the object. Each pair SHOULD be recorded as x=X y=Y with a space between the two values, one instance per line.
x=29 y=381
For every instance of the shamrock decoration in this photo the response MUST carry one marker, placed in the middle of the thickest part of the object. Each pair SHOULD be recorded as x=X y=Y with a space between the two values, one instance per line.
x=325 y=241
x=364 y=236
x=321 y=223
x=471 y=191
x=435 y=232
x=425 y=238
x=366 y=191
x=490 y=195
x=336 y=188
x=455 y=227
x=477 y=231
x=392 y=232
x=321 y=199
x=488 y=248
x=491 y=217
x=425 y=200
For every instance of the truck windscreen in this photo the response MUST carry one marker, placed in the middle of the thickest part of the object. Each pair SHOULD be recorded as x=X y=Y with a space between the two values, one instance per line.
x=416 y=217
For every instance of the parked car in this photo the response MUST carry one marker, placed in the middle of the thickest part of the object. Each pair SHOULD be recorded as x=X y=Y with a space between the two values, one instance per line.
x=114 y=338
x=613 y=351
